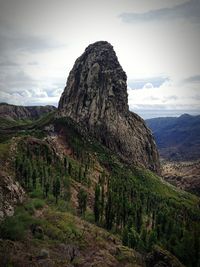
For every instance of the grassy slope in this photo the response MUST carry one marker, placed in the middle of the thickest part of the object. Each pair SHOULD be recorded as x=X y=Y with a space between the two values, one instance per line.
x=64 y=239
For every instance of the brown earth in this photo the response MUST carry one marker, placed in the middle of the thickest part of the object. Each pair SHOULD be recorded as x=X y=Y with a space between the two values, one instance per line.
x=184 y=175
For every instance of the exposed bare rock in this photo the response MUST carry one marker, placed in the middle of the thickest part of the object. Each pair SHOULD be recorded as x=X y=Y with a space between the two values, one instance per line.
x=96 y=97
x=11 y=193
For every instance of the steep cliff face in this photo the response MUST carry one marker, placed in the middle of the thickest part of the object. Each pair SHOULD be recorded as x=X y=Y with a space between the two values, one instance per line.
x=96 y=97
x=21 y=113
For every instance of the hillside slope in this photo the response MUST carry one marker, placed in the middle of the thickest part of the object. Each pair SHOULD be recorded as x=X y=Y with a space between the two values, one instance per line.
x=12 y=115
x=140 y=211
x=177 y=138
x=183 y=174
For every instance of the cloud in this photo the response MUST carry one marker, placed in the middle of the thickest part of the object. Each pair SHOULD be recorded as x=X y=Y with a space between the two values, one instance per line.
x=189 y=10
x=26 y=43
x=55 y=92
x=21 y=89
x=15 y=81
x=14 y=40
x=192 y=79
x=171 y=95
x=146 y=82
x=8 y=63
x=27 y=70
x=33 y=63
x=25 y=97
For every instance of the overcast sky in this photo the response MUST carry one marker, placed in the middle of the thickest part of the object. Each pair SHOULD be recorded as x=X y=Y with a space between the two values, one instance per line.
x=157 y=43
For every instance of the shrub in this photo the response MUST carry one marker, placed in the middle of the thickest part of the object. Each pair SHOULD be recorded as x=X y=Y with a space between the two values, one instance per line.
x=29 y=208
x=15 y=227
x=38 y=203
x=12 y=229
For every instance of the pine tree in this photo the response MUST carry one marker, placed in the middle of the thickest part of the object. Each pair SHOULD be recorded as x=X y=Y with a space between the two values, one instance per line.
x=82 y=201
x=46 y=188
x=65 y=164
x=125 y=236
x=56 y=189
x=34 y=178
x=152 y=239
x=70 y=168
x=80 y=174
x=102 y=204
x=109 y=212
x=139 y=219
x=97 y=203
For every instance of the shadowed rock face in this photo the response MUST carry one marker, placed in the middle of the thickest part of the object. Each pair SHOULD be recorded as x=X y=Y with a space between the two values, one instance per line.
x=96 y=97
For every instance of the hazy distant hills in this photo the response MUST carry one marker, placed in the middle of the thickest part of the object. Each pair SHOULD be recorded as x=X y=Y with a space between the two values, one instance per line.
x=177 y=138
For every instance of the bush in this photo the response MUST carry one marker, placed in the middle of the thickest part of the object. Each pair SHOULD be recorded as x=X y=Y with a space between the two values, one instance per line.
x=12 y=229
x=15 y=227
x=89 y=216
x=29 y=208
x=38 y=203
x=53 y=232
x=37 y=193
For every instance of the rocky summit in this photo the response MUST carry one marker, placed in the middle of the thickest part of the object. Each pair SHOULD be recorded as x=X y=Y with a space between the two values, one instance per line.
x=96 y=97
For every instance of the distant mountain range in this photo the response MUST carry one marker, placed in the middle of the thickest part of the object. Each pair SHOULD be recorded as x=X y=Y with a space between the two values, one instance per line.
x=12 y=115
x=177 y=138
x=21 y=112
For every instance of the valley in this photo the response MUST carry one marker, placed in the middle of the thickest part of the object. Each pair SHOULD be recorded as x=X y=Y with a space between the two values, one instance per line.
x=178 y=143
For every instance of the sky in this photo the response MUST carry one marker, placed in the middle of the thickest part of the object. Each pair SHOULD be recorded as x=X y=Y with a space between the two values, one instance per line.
x=157 y=43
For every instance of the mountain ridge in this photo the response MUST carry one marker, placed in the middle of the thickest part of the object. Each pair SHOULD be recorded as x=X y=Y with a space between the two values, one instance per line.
x=178 y=138
x=16 y=112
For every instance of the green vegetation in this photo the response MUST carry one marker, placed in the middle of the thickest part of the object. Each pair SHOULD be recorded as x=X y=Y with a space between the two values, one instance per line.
x=82 y=201
x=40 y=171
x=4 y=150
x=147 y=212
x=138 y=205
x=8 y=123
x=131 y=202
x=97 y=203
x=15 y=227
x=54 y=225
x=11 y=128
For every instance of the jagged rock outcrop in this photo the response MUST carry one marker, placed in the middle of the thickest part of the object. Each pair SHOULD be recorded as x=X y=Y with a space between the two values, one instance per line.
x=21 y=113
x=11 y=193
x=96 y=97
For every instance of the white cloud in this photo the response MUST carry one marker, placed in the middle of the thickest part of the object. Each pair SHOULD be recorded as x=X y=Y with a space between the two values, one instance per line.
x=189 y=10
x=148 y=86
x=169 y=96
